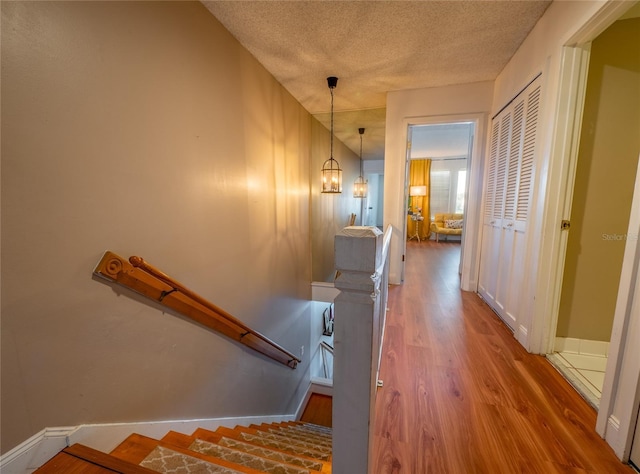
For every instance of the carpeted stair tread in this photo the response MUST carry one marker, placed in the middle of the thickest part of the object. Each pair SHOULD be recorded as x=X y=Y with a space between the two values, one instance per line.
x=285 y=446
x=246 y=459
x=164 y=457
x=301 y=435
x=166 y=460
x=295 y=432
x=318 y=429
x=258 y=458
x=259 y=450
x=314 y=426
x=311 y=430
x=237 y=456
x=283 y=438
x=310 y=464
x=252 y=438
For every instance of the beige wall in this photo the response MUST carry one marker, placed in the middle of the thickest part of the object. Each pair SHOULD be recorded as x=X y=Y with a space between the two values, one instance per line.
x=146 y=129
x=330 y=211
x=605 y=177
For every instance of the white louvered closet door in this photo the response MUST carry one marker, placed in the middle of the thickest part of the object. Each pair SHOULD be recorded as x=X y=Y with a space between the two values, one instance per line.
x=507 y=202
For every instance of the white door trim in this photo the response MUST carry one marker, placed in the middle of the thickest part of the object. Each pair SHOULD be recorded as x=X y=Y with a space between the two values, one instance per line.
x=572 y=90
x=621 y=391
x=470 y=250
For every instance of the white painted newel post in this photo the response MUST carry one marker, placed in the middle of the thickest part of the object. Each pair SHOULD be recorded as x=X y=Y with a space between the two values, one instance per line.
x=361 y=258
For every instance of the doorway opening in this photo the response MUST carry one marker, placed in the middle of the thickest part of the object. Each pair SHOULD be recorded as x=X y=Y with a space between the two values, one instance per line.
x=605 y=174
x=437 y=181
x=373 y=205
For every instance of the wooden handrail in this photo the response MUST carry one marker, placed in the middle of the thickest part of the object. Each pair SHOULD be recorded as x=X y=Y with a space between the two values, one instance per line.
x=153 y=283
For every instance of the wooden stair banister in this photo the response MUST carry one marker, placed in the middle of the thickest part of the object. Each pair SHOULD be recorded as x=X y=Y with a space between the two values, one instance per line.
x=147 y=280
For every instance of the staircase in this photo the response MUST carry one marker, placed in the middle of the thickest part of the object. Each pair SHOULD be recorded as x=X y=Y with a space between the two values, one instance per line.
x=278 y=448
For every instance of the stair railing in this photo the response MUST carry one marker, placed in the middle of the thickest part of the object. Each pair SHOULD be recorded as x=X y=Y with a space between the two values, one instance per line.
x=362 y=261
x=148 y=281
x=327 y=366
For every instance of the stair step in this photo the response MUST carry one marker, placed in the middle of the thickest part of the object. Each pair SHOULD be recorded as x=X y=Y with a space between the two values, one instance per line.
x=283 y=437
x=286 y=440
x=276 y=448
x=270 y=453
x=160 y=456
x=80 y=459
x=320 y=429
x=262 y=463
x=242 y=435
x=301 y=435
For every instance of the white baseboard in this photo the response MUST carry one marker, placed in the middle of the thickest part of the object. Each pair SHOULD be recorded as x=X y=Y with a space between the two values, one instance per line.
x=612 y=436
x=34 y=452
x=582 y=346
x=523 y=336
x=37 y=450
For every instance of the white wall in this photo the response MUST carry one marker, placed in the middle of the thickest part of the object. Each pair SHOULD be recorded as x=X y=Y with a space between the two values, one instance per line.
x=564 y=24
x=435 y=105
x=542 y=52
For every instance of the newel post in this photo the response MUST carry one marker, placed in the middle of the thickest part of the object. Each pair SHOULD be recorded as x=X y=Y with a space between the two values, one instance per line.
x=357 y=339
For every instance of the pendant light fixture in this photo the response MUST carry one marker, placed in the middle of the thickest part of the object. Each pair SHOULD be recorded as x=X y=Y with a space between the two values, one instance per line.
x=360 y=184
x=331 y=172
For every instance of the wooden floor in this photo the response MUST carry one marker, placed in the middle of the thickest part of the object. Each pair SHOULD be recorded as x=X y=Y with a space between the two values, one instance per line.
x=318 y=410
x=462 y=396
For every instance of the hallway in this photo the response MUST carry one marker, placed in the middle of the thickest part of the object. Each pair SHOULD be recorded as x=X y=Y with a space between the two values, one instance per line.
x=461 y=395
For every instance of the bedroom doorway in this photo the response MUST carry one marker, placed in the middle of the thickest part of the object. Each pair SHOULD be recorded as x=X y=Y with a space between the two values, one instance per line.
x=438 y=159
x=605 y=174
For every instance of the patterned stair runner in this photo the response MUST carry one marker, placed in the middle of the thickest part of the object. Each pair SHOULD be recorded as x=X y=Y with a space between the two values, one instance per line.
x=278 y=448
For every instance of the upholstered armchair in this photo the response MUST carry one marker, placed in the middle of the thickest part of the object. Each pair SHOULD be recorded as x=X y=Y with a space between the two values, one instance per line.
x=447 y=224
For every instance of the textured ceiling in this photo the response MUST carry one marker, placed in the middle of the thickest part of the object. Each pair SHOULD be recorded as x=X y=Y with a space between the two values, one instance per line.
x=374 y=47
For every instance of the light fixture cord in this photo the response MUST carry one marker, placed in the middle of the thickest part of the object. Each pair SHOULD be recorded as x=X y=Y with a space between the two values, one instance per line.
x=331 y=89
x=361 y=155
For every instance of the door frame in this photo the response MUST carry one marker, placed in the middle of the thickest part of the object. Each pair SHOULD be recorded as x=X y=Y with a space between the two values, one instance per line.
x=621 y=391
x=470 y=250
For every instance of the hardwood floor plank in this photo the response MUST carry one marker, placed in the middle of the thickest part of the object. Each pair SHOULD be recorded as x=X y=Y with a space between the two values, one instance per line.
x=318 y=410
x=462 y=396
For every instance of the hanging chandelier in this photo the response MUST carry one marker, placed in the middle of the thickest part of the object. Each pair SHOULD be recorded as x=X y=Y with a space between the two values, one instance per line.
x=360 y=184
x=331 y=171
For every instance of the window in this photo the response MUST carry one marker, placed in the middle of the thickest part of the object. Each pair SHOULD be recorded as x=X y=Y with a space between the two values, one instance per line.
x=460 y=191
x=440 y=192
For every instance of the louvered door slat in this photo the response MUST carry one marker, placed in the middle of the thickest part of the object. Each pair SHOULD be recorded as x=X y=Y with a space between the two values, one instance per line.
x=501 y=170
x=528 y=152
x=514 y=161
x=491 y=173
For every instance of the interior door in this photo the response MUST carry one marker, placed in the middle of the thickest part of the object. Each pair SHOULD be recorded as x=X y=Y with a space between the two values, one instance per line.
x=489 y=252
x=507 y=201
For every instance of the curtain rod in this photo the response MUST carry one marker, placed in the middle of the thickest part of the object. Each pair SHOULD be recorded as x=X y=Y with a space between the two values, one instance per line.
x=442 y=159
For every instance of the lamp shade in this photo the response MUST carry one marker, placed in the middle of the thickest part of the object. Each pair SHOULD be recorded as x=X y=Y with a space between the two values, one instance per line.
x=417 y=190
x=360 y=188
x=331 y=177
x=360 y=184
